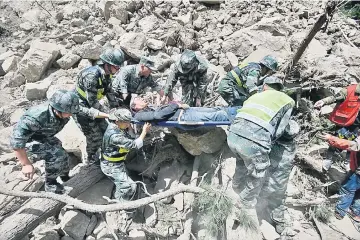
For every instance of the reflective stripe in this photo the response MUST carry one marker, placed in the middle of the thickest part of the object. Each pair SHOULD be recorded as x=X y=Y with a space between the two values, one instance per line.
x=233 y=73
x=99 y=94
x=261 y=107
x=114 y=159
x=124 y=151
x=257 y=121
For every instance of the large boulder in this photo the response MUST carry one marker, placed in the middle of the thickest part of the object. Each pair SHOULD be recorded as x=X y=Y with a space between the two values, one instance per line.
x=89 y=51
x=119 y=12
x=10 y=64
x=68 y=60
x=133 y=44
x=74 y=223
x=37 y=91
x=155 y=44
x=37 y=60
x=201 y=140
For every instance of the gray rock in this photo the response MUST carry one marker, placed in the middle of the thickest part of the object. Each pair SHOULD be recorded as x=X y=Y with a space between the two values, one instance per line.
x=77 y=22
x=74 y=224
x=120 y=13
x=79 y=38
x=99 y=39
x=6 y=55
x=199 y=23
x=92 y=225
x=67 y=238
x=148 y=23
x=47 y=235
x=68 y=60
x=133 y=44
x=26 y=26
x=37 y=60
x=16 y=115
x=104 y=7
x=14 y=79
x=89 y=51
x=232 y=58
x=84 y=63
x=94 y=194
x=116 y=26
x=268 y=231
x=184 y=19
x=211 y=2
x=155 y=44
x=10 y=64
x=204 y=140
x=350 y=54
x=37 y=91
x=137 y=235
x=104 y=234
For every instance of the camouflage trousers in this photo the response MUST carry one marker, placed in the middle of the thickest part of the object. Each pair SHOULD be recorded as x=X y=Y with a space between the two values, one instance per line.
x=231 y=92
x=188 y=95
x=55 y=156
x=94 y=131
x=125 y=187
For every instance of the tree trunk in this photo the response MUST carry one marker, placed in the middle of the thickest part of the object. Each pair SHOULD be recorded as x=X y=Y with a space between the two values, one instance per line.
x=36 y=210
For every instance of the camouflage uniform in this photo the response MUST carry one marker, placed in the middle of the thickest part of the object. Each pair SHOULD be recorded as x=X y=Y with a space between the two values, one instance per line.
x=128 y=81
x=251 y=139
x=91 y=85
x=193 y=82
x=36 y=132
x=240 y=82
x=117 y=143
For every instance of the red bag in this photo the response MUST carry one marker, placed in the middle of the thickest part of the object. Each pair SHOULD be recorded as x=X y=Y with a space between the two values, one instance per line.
x=345 y=113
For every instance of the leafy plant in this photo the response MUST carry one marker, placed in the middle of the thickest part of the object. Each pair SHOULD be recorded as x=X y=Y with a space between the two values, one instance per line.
x=351 y=10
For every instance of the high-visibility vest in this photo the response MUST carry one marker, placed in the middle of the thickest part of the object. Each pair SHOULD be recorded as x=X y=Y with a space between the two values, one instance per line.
x=113 y=153
x=100 y=87
x=345 y=113
x=262 y=107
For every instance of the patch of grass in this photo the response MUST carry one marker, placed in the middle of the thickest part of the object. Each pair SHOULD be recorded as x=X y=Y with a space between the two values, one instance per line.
x=246 y=221
x=214 y=207
x=323 y=213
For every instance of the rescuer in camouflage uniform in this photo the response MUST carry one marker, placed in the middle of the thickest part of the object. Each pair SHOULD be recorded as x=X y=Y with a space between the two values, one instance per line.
x=258 y=124
x=243 y=80
x=92 y=84
x=273 y=193
x=134 y=79
x=191 y=70
x=34 y=137
x=117 y=142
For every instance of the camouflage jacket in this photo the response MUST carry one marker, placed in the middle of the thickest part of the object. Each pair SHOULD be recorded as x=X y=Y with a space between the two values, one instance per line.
x=249 y=76
x=129 y=81
x=115 y=138
x=39 y=123
x=340 y=96
x=196 y=77
x=92 y=81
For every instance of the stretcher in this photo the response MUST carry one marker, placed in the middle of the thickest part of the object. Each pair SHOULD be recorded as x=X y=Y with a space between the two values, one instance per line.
x=185 y=125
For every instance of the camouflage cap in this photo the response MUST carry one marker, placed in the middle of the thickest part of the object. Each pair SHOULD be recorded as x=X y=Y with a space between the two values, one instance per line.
x=147 y=62
x=188 y=61
x=122 y=115
x=270 y=62
x=65 y=101
x=291 y=130
x=274 y=80
x=113 y=56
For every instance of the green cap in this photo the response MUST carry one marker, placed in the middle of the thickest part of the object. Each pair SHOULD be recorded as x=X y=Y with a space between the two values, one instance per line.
x=273 y=80
x=147 y=62
x=65 y=101
x=270 y=62
x=188 y=61
x=113 y=56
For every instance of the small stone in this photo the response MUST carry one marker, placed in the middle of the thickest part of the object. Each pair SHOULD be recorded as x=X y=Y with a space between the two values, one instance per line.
x=79 y=38
x=68 y=60
x=99 y=39
x=84 y=63
x=113 y=42
x=184 y=19
x=74 y=224
x=155 y=44
x=14 y=79
x=199 y=23
x=10 y=64
x=26 y=26
x=77 y=22
x=137 y=235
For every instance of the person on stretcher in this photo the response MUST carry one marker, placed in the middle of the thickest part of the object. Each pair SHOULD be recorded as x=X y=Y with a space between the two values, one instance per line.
x=175 y=111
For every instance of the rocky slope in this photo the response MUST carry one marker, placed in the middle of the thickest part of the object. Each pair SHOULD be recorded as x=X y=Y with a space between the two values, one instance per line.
x=44 y=44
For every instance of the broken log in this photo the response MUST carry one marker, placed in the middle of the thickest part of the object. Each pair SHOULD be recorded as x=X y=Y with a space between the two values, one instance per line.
x=325 y=17
x=36 y=210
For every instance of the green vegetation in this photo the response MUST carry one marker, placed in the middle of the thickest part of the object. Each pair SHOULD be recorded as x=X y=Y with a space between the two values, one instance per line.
x=351 y=10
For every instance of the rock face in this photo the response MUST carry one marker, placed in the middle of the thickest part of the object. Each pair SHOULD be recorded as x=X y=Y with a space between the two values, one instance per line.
x=196 y=142
x=89 y=51
x=37 y=60
x=74 y=224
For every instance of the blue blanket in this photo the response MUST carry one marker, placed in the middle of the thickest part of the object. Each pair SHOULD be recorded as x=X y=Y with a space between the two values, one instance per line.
x=185 y=125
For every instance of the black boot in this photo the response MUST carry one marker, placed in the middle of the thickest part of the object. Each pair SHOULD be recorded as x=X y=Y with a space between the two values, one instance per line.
x=51 y=185
x=65 y=177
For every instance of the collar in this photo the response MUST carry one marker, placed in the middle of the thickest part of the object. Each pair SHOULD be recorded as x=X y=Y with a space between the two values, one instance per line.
x=137 y=70
x=53 y=118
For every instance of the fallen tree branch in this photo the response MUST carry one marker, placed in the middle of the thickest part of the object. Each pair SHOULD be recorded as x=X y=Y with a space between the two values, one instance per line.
x=103 y=208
